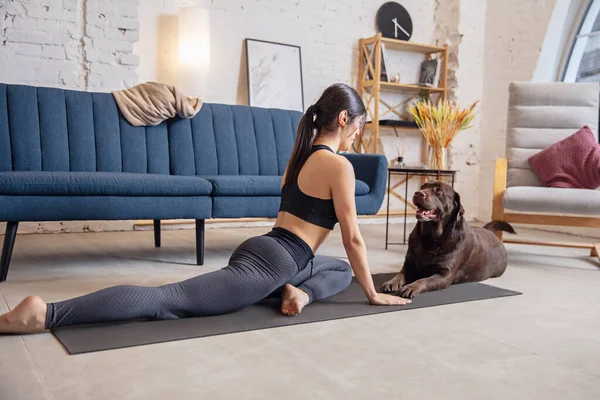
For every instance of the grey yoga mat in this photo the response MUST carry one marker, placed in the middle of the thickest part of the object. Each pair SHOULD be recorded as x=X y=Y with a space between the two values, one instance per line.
x=349 y=303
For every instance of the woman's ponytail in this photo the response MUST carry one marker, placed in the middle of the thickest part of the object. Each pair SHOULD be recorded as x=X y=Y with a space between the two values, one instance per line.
x=302 y=145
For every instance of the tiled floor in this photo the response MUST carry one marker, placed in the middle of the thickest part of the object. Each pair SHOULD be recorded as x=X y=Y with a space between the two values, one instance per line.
x=544 y=344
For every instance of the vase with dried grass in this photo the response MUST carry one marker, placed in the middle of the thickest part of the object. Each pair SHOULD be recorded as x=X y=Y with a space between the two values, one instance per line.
x=439 y=124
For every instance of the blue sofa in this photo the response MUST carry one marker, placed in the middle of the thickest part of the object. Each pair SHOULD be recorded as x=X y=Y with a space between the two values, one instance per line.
x=70 y=155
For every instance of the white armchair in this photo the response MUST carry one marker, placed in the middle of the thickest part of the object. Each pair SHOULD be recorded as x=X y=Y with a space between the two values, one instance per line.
x=539 y=115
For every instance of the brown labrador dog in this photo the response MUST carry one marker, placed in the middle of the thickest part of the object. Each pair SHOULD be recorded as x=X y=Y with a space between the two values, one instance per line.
x=443 y=249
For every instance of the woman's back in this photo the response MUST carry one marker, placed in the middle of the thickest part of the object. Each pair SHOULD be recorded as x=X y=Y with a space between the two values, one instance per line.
x=307 y=204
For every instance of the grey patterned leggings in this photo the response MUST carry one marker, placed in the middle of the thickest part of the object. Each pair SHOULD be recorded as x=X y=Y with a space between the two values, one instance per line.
x=257 y=269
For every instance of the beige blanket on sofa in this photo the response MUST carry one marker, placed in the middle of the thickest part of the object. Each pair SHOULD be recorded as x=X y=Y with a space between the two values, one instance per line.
x=150 y=103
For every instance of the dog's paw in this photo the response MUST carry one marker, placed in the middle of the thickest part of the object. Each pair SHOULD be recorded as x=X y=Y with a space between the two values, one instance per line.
x=391 y=286
x=410 y=291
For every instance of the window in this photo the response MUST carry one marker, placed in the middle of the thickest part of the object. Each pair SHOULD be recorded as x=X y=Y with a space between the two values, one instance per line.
x=584 y=61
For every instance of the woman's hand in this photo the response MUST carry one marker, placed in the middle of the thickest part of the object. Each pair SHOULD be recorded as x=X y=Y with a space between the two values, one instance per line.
x=380 y=299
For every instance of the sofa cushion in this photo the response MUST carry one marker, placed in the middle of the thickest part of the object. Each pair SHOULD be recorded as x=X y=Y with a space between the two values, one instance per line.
x=45 y=183
x=257 y=185
x=532 y=199
x=245 y=185
x=573 y=162
x=245 y=206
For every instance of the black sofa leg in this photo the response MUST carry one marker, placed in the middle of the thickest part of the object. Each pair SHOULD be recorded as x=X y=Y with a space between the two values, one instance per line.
x=9 y=243
x=200 y=242
x=157 y=233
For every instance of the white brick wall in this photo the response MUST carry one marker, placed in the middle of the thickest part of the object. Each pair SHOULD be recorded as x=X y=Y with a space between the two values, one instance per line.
x=74 y=44
x=77 y=44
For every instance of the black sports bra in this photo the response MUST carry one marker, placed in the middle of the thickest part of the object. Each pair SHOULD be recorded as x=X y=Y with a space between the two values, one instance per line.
x=310 y=209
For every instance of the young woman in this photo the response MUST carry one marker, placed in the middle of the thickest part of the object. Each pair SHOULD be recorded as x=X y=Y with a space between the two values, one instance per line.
x=317 y=193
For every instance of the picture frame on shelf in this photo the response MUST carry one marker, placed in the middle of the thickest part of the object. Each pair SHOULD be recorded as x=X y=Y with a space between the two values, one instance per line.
x=429 y=73
x=383 y=75
x=274 y=75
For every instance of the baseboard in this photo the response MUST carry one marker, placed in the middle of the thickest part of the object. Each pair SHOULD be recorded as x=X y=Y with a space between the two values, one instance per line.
x=396 y=217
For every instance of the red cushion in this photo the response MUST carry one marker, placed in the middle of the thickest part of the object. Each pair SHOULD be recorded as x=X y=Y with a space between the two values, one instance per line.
x=573 y=162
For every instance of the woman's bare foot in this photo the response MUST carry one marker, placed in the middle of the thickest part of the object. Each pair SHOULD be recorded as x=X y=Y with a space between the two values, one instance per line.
x=293 y=300
x=28 y=317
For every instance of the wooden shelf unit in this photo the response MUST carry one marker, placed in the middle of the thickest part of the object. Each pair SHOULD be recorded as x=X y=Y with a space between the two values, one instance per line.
x=370 y=89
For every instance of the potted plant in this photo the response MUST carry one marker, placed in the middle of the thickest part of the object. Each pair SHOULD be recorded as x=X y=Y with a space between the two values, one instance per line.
x=439 y=124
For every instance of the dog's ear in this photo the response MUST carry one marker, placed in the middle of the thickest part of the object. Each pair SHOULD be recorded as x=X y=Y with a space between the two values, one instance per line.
x=458 y=211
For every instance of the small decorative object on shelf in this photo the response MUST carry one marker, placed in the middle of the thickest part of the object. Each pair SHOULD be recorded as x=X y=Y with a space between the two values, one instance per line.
x=395 y=78
x=439 y=125
x=428 y=73
x=399 y=163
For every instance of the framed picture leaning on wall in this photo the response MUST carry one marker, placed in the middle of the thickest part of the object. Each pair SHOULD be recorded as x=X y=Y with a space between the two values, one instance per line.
x=274 y=75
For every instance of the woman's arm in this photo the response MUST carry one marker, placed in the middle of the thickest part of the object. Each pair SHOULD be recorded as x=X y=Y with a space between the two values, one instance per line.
x=344 y=201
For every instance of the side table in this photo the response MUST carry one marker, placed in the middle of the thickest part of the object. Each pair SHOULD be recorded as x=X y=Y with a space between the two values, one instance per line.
x=409 y=173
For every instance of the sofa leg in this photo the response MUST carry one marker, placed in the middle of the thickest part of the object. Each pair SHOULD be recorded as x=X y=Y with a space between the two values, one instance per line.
x=9 y=243
x=200 y=242
x=157 y=233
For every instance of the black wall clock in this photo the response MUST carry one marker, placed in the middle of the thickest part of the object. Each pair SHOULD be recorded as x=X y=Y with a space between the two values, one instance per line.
x=393 y=21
